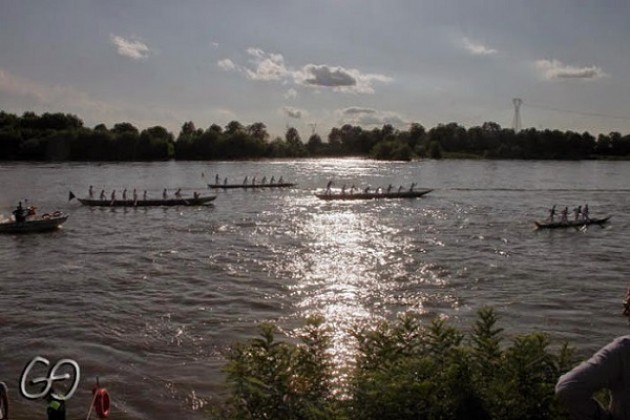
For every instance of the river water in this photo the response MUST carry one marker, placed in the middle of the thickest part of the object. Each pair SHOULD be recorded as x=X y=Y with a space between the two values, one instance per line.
x=150 y=299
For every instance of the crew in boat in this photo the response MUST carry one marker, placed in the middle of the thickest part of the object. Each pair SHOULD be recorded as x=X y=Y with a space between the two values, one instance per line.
x=585 y=213
x=19 y=213
x=178 y=193
x=564 y=215
x=164 y=194
x=102 y=196
x=552 y=213
x=91 y=192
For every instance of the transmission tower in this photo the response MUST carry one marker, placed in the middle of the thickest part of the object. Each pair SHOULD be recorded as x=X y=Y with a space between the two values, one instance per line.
x=516 y=124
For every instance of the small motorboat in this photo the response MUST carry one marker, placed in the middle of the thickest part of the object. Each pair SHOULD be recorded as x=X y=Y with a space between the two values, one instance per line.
x=35 y=223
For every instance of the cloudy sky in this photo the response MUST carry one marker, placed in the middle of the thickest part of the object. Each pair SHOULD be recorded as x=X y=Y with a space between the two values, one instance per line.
x=315 y=64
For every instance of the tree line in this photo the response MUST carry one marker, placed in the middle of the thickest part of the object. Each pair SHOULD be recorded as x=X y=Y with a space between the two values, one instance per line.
x=63 y=137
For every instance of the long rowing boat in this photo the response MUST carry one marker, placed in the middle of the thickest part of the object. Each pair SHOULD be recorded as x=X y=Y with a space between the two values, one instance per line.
x=371 y=195
x=177 y=201
x=44 y=223
x=245 y=186
x=571 y=223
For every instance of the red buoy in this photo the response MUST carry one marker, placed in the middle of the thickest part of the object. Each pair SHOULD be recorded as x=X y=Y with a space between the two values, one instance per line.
x=101 y=402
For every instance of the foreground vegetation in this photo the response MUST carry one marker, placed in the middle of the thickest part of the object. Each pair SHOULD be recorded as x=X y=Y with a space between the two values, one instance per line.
x=403 y=370
x=62 y=137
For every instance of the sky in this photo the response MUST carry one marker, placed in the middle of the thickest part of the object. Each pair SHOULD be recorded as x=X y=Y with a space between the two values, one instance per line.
x=318 y=64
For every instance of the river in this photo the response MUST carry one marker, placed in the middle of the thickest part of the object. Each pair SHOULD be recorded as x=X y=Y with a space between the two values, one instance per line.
x=150 y=299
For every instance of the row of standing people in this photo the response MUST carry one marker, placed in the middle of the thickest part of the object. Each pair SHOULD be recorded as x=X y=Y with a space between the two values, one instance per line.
x=366 y=190
x=579 y=213
x=246 y=181
x=134 y=194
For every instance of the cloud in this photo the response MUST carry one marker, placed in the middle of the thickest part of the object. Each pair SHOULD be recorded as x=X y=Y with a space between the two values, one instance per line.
x=40 y=94
x=294 y=112
x=129 y=48
x=226 y=64
x=555 y=69
x=265 y=66
x=290 y=94
x=338 y=79
x=476 y=48
x=367 y=117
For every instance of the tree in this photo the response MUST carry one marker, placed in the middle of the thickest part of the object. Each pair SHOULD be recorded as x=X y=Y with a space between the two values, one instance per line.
x=294 y=143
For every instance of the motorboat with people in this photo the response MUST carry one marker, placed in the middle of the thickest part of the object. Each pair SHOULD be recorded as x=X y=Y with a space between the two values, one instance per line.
x=26 y=220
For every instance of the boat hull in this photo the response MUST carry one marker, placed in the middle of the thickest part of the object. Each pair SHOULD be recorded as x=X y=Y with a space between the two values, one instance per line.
x=246 y=186
x=371 y=196
x=148 y=203
x=34 y=225
x=571 y=223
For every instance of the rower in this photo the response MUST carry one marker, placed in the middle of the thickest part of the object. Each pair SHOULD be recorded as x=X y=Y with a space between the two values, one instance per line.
x=389 y=188
x=328 y=186
x=272 y=179
x=125 y=194
x=367 y=189
x=413 y=184
x=195 y=195
x=135 y=195
x=245 y=180
x=263 y=180
x=343 y=189
x=225 y=181
x=19 y=213
x=564 y=215
x=552 y=212
x=216 y=179
x=91 y=192
x=577 y=211
x=164 y=194
x=352 y=189
x=102 y=195
x=144 y=195
x=113 y=195
x=400 y=188
x=280 y=180
x=585 y=213
x=178 y=193
x=254 y=180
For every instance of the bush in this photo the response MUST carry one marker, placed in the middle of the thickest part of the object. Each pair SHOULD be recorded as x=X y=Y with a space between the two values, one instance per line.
x=403 y=370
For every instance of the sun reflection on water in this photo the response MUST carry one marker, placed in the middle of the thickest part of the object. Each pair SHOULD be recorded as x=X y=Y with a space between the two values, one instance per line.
x=350 y=272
